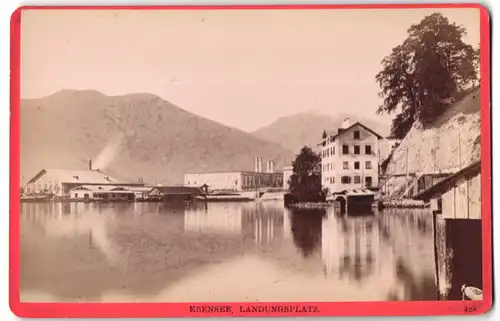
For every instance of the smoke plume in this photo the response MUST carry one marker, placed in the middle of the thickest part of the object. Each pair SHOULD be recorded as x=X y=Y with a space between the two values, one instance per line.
x=109 y=152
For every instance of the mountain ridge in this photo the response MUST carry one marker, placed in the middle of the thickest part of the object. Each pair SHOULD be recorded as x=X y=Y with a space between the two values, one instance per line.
x=140 y=135
x=306 y=128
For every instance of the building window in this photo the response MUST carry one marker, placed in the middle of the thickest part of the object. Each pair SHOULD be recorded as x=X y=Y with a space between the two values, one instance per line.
x=332 y=180
x=368 y=149
x=346 y=165
x=368 y=181
x=76 y=195
x=356 y=149
x=368 y=165
x=357 y=179
x=345 y=179
x=345 y=149
x=356 y=165
x=356 y=134
x=333 y=150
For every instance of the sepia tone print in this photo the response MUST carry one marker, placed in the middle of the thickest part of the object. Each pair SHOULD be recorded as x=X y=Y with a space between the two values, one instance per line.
x=250 y=155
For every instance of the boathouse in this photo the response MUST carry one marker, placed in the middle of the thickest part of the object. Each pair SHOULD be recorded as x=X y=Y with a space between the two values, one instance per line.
x=455 y=203
x=356 y=201
x=104 y=193
x=457 y=196
x=166 y=193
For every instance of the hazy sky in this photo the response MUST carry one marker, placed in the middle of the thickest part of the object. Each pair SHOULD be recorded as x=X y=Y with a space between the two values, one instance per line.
x=240 y=68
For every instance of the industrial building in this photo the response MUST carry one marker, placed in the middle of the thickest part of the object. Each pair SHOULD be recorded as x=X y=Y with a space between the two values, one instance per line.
x=238 y=181
x=59 y=182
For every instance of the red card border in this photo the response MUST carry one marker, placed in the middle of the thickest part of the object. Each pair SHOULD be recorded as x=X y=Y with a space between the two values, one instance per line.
x=60 y=310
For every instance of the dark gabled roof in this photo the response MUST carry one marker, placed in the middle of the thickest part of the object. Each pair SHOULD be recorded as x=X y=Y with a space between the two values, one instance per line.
x=334 y=135
x=440 y=187
x=177 y=190
x=357 y=123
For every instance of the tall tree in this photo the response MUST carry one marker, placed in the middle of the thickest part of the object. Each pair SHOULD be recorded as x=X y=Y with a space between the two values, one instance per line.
x=427 y=73
x=305 y=181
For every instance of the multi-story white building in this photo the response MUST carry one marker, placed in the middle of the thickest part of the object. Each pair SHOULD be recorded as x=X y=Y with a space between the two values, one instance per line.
x=350 y=158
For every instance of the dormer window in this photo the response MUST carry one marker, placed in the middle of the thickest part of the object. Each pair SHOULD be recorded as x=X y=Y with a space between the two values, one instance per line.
x=356 y=134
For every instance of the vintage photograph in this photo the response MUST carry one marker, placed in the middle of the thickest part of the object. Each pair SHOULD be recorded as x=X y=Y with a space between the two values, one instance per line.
x=325 y=155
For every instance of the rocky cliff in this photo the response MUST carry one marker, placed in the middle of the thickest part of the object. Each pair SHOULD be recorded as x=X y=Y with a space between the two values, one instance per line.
x=451 y=142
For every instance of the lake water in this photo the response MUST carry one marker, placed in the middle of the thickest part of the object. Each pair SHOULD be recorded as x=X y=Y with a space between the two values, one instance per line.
x=152 y=252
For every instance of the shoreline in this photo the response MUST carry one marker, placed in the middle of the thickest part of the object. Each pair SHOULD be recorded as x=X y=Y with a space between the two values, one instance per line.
x=312 y=205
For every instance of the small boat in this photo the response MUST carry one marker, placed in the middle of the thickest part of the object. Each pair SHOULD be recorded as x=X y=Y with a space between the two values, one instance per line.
x=471 y=293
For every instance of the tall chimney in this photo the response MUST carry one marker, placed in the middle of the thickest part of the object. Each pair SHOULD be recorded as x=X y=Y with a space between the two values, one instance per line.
x=90 y=164
x=256 y=164
x=271 y=163
x=260 y=165
x=268 y=166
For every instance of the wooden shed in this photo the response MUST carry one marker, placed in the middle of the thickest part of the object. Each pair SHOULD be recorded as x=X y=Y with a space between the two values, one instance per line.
x=457 y=196
x=174 y=193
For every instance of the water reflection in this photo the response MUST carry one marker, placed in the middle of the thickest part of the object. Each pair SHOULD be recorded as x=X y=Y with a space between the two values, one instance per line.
x=220 y=219
x=350 y=246
x=175 y=252
x=306 y=229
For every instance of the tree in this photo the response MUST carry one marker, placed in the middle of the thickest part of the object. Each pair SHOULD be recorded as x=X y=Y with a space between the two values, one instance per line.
x=423 y=76
x=305 y=182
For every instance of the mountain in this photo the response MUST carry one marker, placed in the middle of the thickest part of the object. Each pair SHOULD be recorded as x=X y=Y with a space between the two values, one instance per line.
x=293 y=132
x=132 y=136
